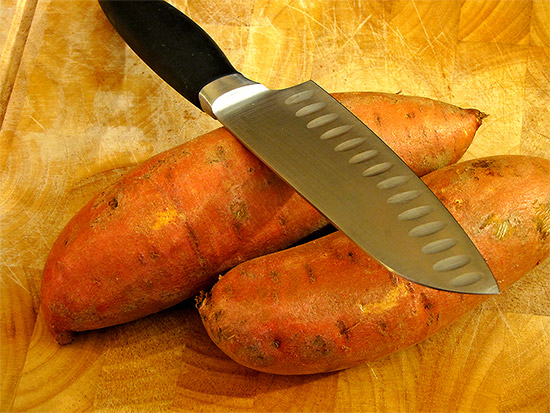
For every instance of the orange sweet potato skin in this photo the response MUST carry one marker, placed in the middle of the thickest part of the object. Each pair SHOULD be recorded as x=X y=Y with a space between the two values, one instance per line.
x=326 y=305
x=169 y=227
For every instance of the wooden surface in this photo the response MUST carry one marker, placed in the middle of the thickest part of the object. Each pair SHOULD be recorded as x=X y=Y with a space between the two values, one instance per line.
x=81 y=109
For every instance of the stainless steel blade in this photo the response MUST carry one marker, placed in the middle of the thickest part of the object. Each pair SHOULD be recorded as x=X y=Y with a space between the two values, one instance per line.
x=353 y=178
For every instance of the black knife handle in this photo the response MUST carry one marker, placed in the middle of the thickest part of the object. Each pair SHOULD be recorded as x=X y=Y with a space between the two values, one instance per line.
x=171 y=44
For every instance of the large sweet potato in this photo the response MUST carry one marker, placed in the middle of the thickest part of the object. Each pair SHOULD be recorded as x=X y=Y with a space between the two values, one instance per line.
x=170 y=226
x=326 y=305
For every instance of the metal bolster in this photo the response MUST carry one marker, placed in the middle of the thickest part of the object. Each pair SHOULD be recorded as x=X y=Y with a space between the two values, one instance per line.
x=218 y=87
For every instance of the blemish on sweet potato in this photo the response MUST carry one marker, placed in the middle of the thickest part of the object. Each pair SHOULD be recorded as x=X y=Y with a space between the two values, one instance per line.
x=218 y=156
x=426 y=301
x=320 y=346
x=344 y=330
x=501 y=227
x=166 y=217
x=274 y=275
x=254 y=352
x=430 y=320
x=489 y=220
x=310 y=273
x=113 y=203
x=382 y=328
x=141 y=259
x=481 y=163
x=154 y=254
x=239 y=210
x=542 y=221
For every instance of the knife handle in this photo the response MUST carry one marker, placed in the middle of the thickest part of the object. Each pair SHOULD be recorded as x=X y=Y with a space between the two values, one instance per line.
x=170 y=43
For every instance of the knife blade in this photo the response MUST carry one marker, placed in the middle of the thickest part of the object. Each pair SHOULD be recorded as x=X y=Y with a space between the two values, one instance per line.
x=317 y=146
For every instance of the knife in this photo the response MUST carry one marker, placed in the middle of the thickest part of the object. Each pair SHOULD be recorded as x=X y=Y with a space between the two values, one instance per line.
x=317 y=146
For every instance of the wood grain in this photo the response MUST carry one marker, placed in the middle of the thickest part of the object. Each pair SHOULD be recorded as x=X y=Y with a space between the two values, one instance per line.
x=83 y=110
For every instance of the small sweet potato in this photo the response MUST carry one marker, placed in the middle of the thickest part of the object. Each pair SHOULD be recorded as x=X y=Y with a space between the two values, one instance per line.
x=326 y=305
x=416 y=116
x=166 y=229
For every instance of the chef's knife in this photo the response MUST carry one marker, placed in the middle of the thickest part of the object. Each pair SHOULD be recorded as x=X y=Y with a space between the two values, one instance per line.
x=315 y=144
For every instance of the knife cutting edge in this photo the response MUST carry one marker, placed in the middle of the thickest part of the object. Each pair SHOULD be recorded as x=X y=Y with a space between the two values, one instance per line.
x=317 y=146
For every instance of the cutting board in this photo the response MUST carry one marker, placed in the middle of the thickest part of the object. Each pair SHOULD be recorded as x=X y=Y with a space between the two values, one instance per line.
x=80 y=110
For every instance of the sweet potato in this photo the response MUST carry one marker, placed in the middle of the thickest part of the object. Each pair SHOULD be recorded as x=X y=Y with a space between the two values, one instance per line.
x=416 y=117
x=169 y=227
x=326 y=305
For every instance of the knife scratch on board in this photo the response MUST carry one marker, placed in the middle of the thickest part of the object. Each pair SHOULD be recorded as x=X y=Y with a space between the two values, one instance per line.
x=37 y=122
x=373 y=372
x=308 y=16
x=476 y=321
x=428 y=37
x=112 y=400
x=12 y=276
x=504 y=319
x=352 y=36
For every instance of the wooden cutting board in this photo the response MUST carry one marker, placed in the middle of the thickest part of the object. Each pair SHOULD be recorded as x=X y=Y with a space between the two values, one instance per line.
x=81 y=109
